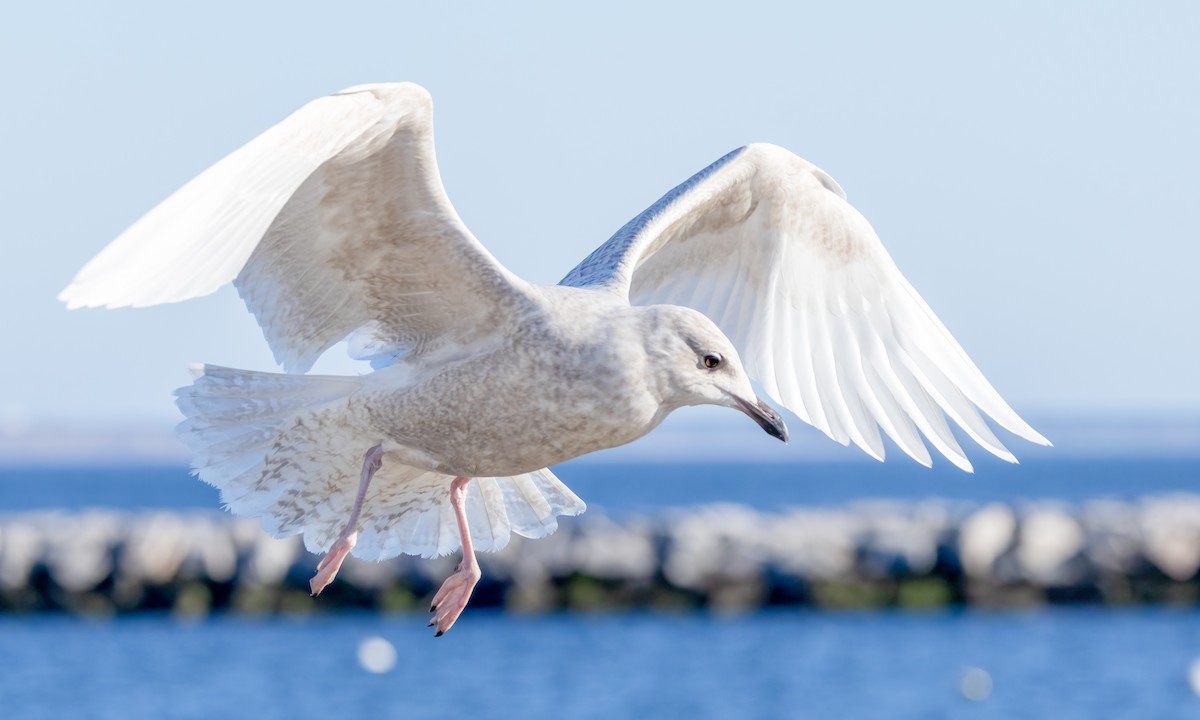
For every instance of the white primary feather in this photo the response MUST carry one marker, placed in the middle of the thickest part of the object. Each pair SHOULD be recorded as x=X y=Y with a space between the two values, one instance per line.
x=285 y=449
x=333 y=219
x=766 y=245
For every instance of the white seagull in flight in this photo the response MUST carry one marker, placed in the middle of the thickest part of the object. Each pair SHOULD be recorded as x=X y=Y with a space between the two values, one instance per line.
x=334 y=225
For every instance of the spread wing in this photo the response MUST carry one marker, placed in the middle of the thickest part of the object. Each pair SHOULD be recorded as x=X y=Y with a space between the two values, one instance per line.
x=332 y=221
x=765 y=244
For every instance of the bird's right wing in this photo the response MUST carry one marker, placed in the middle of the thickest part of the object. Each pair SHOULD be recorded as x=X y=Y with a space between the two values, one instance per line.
x=766 y=245
x=332 y=221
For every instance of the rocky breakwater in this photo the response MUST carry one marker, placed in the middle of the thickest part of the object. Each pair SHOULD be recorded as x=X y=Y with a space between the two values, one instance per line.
x=726 y=558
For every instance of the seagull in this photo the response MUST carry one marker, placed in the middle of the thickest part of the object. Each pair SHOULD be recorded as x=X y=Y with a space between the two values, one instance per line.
x=334 y=226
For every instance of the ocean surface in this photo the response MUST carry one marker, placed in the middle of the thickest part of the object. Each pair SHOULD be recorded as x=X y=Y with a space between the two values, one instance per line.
x=1066 y=664
x=1062 y=662
x=651 y=487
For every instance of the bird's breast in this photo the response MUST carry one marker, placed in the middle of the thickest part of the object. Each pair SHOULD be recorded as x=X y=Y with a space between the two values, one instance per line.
x=517 y=409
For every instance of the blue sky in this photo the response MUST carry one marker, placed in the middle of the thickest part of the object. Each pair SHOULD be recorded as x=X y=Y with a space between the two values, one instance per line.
x=1032 y=168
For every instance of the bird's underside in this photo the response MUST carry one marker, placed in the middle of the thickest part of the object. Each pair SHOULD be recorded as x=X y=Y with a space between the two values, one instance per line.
x=334 y=225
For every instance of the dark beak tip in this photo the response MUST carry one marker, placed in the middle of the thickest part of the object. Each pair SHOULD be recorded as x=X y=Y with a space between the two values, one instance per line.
x=778 y=429
x=767 y=418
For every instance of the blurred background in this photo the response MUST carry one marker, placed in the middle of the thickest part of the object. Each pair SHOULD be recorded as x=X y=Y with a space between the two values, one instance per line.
x=1031 y=168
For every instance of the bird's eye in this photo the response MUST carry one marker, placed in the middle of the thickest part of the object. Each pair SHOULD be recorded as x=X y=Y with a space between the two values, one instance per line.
x=712 y=360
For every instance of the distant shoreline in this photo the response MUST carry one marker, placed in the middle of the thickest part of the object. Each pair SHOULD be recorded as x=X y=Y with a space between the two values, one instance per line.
x=693 y=435
x=721 y=558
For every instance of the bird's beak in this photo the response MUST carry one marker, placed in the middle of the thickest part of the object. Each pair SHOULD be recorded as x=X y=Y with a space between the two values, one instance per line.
x=765 y=416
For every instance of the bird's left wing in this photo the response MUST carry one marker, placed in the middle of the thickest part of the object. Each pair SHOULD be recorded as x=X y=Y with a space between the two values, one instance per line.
x=765 y=244
x=333 y=221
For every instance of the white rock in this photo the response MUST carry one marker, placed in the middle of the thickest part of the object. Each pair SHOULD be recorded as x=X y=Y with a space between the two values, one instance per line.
x=1051 y=543
x=984 y=537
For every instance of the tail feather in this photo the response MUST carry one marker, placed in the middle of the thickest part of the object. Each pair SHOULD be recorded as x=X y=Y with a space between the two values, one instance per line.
x=219 y=446
x=288 y=449
x=220 y=397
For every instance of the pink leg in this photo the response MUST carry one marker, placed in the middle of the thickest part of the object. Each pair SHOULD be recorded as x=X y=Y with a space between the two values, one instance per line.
x=328 y=568
x=450 y=600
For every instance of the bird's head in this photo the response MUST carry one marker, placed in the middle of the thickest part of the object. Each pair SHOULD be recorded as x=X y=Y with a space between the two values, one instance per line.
x=698 y=365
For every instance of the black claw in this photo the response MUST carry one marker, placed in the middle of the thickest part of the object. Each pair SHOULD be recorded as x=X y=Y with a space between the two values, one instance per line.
x=433 y=608
x=439 y=633
x=432 y=623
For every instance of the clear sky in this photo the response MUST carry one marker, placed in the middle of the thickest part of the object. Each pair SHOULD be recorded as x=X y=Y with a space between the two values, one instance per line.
x=1034 y=168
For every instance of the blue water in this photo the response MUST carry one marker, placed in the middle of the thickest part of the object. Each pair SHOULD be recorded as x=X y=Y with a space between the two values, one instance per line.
x=1065 y=664
x=619 y=488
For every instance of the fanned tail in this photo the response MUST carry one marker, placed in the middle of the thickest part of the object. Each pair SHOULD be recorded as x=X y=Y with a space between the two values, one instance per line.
x=410 y=513
x=287 y=449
